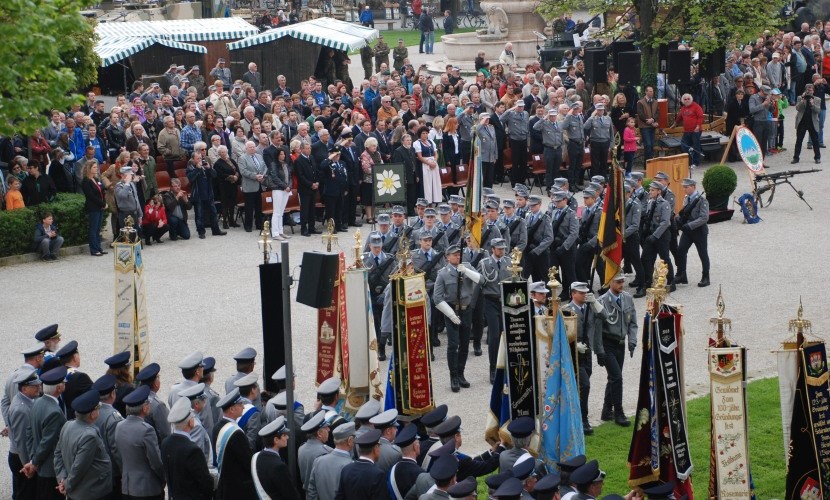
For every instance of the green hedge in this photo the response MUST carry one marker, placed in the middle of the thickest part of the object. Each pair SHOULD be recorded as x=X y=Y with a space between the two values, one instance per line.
x=17 y=227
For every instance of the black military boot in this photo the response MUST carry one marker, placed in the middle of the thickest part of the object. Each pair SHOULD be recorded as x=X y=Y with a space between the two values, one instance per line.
x=620 y=419
x=454 y=386
x=704 y=281
x=462 y=381
x=477 y=347
x=681 y=279
x=607 y=414
x=641 y=292
x=586 y=428
x=382 y=347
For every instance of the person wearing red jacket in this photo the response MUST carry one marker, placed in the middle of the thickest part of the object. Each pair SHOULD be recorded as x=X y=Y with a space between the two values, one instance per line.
x=154 y=223
x=691 y=116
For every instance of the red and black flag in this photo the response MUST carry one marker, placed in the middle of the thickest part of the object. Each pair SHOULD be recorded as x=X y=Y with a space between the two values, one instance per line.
x=612 y=224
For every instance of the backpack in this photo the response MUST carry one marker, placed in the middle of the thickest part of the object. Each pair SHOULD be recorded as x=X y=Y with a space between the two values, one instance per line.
x=800 y=62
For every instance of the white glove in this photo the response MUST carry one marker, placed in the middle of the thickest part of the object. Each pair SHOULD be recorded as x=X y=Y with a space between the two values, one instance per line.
x=590 y=298
x=447 y=311
x=462 y=269
x=581 y=348
x=596 y=306
x=473 y=275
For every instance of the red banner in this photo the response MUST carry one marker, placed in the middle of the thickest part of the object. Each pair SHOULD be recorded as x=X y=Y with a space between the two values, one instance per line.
x=420 y=388
x=343 y=323
x=332 y=332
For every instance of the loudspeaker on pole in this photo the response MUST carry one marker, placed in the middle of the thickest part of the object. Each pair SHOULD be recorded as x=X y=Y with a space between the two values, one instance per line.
x=596 y=62
x=713 y=64
x=317 y=275
x=680 y=67
x=630 y=67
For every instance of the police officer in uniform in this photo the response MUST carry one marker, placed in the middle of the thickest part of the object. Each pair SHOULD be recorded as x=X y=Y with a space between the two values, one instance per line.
x=453 y=295
x=77 y=382
x=108 y=418
x=655 y=233
x=586 y=251
x=619 y=329
x=387 y=424
x=631 y=243
x=403 y=474
x=149 y=376
x=363 y=479
x=516 y=226
x=552 y=140
x=589 y=313
x=693 y=221
x=539 y=240
x=380 y=266
x=494 y=270
x=565 y=230
x=142 y=473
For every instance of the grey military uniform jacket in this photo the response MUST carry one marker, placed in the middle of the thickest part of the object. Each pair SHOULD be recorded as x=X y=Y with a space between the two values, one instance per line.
x=11 y=391
x=539 y=233
x=620 y=322
x=507 y=458
x=387 y=236
x=493 y=271
x=82 y=462
x=158 y=417
x=589 y=227
x=306 y=455
x=566 y=234
x=489 y=231
x=660 y=218
x=572 y=126
x=488 y=150
x=420 y=262
x=390 y=454
x=551 y=133
x=517 y=124
x=466 y=121
x=599 y=128
x=517 y=229
x=325 y=475
x=451 y=232
x=446 y=288
x=633 y=213
x=200 y=437
x=46 y=420
x=668 y=195
x=20 y=427
x=439 y=240
x=415 y=223
x=142 y=472
x=698 y=213
x=108 y=418
x=589 y=328
x=378 y=279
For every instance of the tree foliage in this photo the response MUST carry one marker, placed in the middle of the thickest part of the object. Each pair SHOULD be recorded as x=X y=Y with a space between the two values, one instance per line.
x=48 y=53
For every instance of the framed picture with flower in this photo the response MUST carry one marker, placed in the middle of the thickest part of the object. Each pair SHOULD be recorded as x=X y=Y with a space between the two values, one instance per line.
x=389 y=186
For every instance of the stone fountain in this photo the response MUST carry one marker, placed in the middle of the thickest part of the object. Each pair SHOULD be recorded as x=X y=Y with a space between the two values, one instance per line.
x=512 y=21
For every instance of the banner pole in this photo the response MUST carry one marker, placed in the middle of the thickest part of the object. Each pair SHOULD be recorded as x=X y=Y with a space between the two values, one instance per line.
x=287 y=281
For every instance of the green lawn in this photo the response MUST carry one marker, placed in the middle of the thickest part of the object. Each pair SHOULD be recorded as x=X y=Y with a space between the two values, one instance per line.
x=610 y=443
x=410 y=38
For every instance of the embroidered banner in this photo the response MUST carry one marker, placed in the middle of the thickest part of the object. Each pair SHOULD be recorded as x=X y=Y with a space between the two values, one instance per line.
x=413 y=376
x=131 y=319
x=671 y=378
x=522 y=381
x=363 y=360
x=788 y=361
x=729 y=464
x=331 y=323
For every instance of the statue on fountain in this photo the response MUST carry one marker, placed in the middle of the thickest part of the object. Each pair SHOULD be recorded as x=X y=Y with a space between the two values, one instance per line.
x=496 y=23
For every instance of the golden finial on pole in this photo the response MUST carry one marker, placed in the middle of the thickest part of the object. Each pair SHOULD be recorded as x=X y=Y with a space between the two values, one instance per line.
x=265 y=241
x=799 y=325
x=658 y=291
x=720 y=322
x=128 y=234
x=514 y=267
x=358 y=258
x=329 y=236
x=403 y=256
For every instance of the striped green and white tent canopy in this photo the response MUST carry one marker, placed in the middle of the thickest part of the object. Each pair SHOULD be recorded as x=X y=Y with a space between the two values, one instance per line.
x=112 y=50
x=325 y=31
x=182 y=30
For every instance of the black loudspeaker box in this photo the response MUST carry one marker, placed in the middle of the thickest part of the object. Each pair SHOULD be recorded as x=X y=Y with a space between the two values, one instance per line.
x=552 y=57
x=713 y=64
x=663 y=56
x=680 y=67
x=317 y=275
x=630 y=66
x=596 y=62
x=620 y=46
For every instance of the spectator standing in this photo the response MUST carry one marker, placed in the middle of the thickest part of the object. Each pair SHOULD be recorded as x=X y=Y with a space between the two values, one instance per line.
x=14 y=198
x=806 y=122
x=253 y=170
x=47 y=240
x=629 y=145
x=39 y=148
x=647 y=114
x=427 y=26
x=201 y=177
x=227 y=171
x=94 y=205
x=222 y=73
x=760 y=109
x=281 y=177
x=127 y=199
x=691 y=117
x=449 y=23
x=37 y=187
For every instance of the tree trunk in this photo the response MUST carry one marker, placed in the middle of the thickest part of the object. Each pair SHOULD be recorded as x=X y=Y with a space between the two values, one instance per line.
x=647 y=11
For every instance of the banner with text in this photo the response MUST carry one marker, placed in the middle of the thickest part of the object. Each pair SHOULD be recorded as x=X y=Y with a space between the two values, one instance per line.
x=364 y=380
x=412 y=377
x=333 y=332
x=522 y=381
x=131 y=329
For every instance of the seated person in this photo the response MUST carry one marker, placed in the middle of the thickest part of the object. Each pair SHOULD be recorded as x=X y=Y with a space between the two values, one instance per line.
x=14 y=198
x=47 y=239
x=176 y=204
x=154 y=223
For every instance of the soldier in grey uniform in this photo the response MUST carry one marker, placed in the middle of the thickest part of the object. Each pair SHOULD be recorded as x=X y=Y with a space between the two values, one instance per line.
x=325 y=471
x=631 y=239
x=693 y=221
x=562 y=184
x=428 y=261
x=473 y=256
x=32 y=360
x=655 y=233
x=108 y=418
x=600 y=131
x=399 y=228
x=517 y=121
x=466 y=123
x=317 y=433
x=380 y=266
x=493 y=270
x=251 y=419
x=46 y=421
x=81 y=461
x=387 y=424
x=565 y=230
x=639 y=191
x=572 y=125
x=149 y=376
x=446 y=226
x=417 y=221
x=492 y=226
x=539 y=238
x=439 y=241
x=663 y=180
x=19 y=423
x=453 y=296
x=142 y=472
x=587 y=241
x=386 y=233
x=196 y=401
x=552 y=140
x=522 y=194
x=488 y=149
x=245 y=363
x=516 y=226
x=619 y=328
x=212 y=397
x=589 y=316
x=457 y=208
x=192 y=370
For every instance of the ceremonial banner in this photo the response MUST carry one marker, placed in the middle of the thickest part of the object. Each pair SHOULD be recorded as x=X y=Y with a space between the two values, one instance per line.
x=808 y=464
x=788 y=362
x=729 y=457
x=411 y=375
x=671 y=380
x=472 y=202
x=364 y=379
x=333 y=333
x=131 y=329
x=561 y=419
x=499 y=415
x=611 y=225
x=520 y=364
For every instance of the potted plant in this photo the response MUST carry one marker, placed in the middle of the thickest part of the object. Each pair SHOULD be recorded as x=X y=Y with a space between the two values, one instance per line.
x=719 y=182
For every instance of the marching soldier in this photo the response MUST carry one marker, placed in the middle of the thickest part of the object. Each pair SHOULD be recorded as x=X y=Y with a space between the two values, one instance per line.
x=562 y=184
x=522 y=195
x=381 y=53
x=662 y=179
x=589 y=313
x=195 y=397
x=481 y=465
x=149 y=376
x=428 y=261
x=142 y=473
x=552 y=140
x=516 y=226
x=404 y=474
x=385 y=232
x=655 y=234
x=380 y=266
x=493 y=270
x=439 y=241
x=108 y=418
x=186 y=472
x=640 y=193
x=587 y=241
x=387 y=424
x=457 y=207
x=399 y=54
x=27 y=385
x=416 y=222
x=539 y=240
x=453 y=295
x=317 y=433
x=446 y=225
x=565 y=232
x=363 y=479
x=493 y=227
x=82 y=464
x=473 y=256
x=77 y=382
x=693 y=221
x=269 y=472
x=631 y=243
x=233 y=455
x=520 y=431
x=251 y=419
x=619 y=328
x=325 y=472
x=51 y=338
